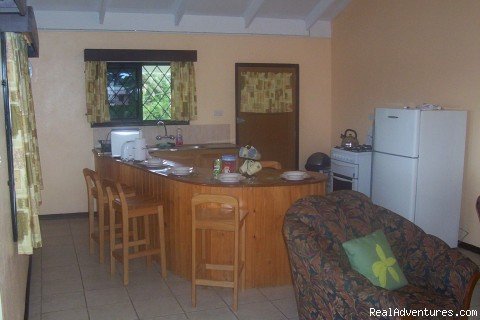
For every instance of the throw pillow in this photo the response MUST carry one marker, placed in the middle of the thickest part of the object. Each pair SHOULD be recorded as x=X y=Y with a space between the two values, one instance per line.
x=372 y=257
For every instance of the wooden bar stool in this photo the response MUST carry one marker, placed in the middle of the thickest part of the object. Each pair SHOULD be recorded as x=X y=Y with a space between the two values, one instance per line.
x=97 y=192
x=271 y=164
x=130 y=210
x=219 y=213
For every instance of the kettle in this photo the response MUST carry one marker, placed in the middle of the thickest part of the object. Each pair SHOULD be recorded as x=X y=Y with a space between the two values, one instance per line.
x=349 y=141
x=128 y=151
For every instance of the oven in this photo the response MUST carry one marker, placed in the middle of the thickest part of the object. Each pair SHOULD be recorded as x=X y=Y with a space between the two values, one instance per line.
x=344 y=176
x=350 y=169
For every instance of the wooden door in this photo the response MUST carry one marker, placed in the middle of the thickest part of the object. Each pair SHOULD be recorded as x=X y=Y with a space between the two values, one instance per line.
x=271 y=125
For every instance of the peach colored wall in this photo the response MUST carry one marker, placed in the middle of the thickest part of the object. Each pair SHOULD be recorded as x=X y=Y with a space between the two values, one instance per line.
x=65 y=138
x=13 y=267
x=391 y=53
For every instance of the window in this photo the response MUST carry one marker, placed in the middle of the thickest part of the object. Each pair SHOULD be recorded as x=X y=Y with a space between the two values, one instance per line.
x=139 y=92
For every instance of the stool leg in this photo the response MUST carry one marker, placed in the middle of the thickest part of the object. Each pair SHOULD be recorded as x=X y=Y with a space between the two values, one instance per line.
x=91 y=222
x=112 y=239
x=243 y=253
x=125 y=247
x=146 y=225
x=235 y=270
x=161 y=235
x=194 y=265
x=135 y=231
x=101 y=230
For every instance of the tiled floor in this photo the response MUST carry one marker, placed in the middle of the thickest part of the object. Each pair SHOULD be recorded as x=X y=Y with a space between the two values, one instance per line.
x=68 y=283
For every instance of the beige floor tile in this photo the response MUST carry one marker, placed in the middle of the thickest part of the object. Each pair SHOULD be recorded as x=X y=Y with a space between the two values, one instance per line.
x=206 y=299
x=51 y=241
x=287 y=306
x=163 y=306
x=107 y=296
x=72 y=314
x=277 y=293
x=63 y=301
x=64 y=286
x=171 y=317
x=101 y=281
x=60 y=273
x=244 y=297
x=117 y=311
x=215 y=314
x=148 y=291
x=260 y=311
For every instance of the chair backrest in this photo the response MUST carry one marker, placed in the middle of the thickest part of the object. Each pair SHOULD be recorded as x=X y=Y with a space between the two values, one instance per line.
x=222 y=200
x=94 y=185
x=114 y=192
x=271 y=164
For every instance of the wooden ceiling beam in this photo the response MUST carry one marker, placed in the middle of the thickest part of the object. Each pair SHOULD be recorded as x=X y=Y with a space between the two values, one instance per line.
x=103 y=10
x=252 y=11
x=178 y=10
x=317 y=11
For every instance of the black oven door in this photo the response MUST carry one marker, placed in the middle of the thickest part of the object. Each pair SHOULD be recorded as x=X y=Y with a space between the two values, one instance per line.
x=341 y=182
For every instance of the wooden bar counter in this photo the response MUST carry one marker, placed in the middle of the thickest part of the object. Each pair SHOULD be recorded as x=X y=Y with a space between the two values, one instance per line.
x=267 y=197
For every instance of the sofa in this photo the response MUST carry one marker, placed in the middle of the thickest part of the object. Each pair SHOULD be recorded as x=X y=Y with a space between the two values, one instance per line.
x=326 y=287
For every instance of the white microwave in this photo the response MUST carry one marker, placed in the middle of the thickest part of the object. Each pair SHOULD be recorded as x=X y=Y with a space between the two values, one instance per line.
x=119 y=136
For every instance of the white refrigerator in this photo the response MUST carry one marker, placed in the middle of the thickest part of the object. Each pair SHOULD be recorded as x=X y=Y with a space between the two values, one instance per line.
x=417 y=167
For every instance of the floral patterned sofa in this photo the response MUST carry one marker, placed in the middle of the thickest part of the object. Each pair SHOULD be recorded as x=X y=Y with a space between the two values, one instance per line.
x=327 y=288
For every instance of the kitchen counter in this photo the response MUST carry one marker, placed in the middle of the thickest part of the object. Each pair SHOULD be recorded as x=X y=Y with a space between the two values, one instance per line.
x=267 y=197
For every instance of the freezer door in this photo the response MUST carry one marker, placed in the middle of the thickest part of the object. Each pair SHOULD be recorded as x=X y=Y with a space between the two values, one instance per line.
x=394 y=183
x=397 y=131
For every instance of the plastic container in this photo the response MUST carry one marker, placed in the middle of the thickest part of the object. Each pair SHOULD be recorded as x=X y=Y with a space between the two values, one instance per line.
x=229 y=163
x=179 y=138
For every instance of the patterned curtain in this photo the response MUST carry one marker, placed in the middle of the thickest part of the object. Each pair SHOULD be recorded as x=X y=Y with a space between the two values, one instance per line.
x=96 y=91
x=266 y=92
x=184 y=96
x=27 y=170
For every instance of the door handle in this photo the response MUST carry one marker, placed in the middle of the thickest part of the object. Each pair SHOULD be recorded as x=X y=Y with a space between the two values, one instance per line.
x=240 y=120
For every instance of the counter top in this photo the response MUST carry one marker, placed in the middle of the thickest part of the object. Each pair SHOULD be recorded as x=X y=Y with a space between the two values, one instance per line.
x=204 y=176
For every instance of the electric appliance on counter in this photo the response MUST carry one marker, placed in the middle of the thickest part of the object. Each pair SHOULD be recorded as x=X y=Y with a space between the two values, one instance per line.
x=418 y=167
x=351 y=168
x=119 y=136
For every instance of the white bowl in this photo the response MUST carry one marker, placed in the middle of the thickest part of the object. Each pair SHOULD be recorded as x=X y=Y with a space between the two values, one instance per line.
x=182 y=171
x=295 y=175
x=230 y=177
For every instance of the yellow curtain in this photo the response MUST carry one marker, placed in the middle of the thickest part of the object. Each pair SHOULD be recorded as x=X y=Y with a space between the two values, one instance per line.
x=27 y=170
x=96 y=91
x=184 y=96
x=266 y=92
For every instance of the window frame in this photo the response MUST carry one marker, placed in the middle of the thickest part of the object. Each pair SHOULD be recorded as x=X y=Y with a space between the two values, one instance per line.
x=138 y=56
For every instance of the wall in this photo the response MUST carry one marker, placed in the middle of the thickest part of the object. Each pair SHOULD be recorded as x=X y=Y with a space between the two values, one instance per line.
x=13 y=267
x=65 y=138
x=392 y=53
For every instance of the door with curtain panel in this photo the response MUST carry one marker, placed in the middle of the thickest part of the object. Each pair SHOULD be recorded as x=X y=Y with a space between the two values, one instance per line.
x=267 y=108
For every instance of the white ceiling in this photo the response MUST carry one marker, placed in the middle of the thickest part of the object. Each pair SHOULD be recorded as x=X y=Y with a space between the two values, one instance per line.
x=292 y=17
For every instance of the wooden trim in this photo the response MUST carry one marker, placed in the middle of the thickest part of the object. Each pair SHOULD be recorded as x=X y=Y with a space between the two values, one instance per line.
x=469 y=247
x=129 y=55
x=470 y=288
x=296 y=70
x=13 y=22
x=60 y=216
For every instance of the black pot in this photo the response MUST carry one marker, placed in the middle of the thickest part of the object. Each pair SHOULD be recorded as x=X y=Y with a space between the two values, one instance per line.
x=317 y=162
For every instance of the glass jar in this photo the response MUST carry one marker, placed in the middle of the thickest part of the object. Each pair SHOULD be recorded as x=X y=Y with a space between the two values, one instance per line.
x=229 y=163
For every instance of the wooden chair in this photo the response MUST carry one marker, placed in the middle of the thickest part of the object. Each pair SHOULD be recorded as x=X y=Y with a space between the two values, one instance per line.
x=97 y=192
x=218 y=213
x=130 y=210
x=271 y=164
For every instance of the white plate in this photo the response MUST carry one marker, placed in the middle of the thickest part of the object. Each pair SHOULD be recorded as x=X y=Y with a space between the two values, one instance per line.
x=153 y=162
x=295 y=175
x=230 y=177
x=182 y=171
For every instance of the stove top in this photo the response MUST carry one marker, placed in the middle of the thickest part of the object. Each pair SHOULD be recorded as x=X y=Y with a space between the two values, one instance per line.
x=360 y=148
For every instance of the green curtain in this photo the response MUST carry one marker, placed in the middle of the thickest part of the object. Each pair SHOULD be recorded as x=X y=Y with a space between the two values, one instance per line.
x=184 y=96
x=27 y=170
x=96 y=92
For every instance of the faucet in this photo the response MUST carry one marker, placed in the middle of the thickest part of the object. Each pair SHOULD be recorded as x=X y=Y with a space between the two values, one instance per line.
x=165 y=136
